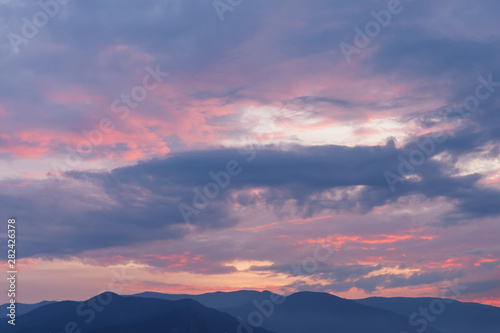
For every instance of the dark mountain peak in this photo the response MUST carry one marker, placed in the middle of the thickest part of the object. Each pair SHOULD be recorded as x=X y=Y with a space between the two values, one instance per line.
x=319 y=302
x=107 y=294
x=216 y=300
x=319 y=312
x=241 y=292
x=315 y=296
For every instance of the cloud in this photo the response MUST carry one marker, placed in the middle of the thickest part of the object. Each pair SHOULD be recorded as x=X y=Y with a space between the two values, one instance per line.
x=422 y=278
x=481 y=286
x=139 y=203
x=270 y=74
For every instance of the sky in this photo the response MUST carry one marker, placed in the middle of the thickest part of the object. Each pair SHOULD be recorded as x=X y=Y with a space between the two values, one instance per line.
x=349 y=147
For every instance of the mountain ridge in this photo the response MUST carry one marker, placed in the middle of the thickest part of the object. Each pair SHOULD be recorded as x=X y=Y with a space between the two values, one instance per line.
x=246 y=311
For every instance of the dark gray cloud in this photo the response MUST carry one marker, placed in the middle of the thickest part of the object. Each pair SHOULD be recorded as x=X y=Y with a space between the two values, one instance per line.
x=89 y=210
x=370 y=284
x=479 y=287
x=423 y=278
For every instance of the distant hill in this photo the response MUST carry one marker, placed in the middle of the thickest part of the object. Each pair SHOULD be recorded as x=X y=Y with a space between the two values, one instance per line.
x=215 y=300
x=234 y=312
x=22 y=308
x=125 y=314
x=308 y=312
x=457 y=317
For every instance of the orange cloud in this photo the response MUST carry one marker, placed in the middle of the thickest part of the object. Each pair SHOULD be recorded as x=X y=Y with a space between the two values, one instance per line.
x=387 y=239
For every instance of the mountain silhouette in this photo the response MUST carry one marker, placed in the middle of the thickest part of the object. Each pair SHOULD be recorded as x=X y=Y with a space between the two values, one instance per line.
x=110 y=312
x=22 y=308
x=216 y=300
x=456 y=317
x=250 y=312
x=306 y=312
